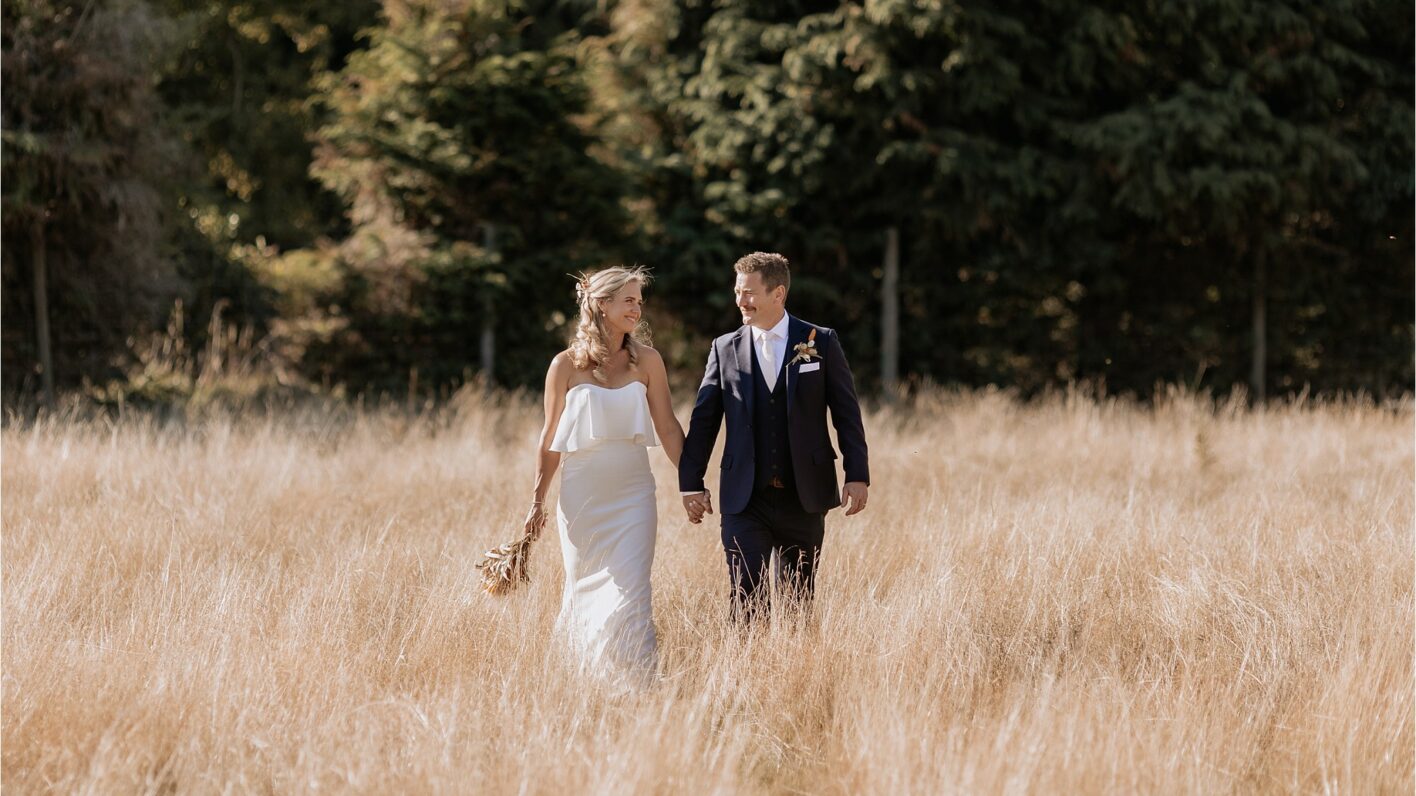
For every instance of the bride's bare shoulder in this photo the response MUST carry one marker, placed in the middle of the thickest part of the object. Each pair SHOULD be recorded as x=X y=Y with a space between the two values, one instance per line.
x=565 y=359
x=560 y=369
x=651 y=364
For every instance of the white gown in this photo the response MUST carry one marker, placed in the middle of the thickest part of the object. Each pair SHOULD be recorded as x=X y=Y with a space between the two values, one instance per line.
x=608 y=522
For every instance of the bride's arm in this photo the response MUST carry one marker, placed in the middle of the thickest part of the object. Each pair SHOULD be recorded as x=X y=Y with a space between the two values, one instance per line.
x=661 y=407
x=547 y=460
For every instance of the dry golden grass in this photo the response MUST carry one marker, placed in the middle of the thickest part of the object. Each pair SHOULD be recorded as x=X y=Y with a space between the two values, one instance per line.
x=1069 y=596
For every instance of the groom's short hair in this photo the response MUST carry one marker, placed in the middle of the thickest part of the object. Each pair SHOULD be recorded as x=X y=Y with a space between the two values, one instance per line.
x=774 y=269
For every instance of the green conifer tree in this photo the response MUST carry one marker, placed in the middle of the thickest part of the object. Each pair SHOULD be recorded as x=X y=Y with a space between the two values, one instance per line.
x=460 y=144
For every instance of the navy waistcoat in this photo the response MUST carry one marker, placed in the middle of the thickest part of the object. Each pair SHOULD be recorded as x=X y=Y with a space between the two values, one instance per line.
x=772 y=453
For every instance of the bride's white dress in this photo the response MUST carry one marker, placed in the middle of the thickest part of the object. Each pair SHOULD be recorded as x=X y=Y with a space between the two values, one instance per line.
x=608 y=521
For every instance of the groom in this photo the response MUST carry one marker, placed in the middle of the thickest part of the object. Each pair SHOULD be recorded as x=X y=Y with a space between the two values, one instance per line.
x=774 y=379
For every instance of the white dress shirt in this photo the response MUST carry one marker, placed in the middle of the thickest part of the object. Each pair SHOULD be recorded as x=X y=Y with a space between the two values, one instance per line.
x=771 y=348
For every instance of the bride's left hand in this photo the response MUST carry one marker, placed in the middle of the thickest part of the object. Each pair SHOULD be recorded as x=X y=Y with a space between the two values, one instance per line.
x=535 y=521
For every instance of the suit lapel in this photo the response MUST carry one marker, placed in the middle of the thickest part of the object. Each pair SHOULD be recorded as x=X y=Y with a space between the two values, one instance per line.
x=796 y=333
x=743 y=347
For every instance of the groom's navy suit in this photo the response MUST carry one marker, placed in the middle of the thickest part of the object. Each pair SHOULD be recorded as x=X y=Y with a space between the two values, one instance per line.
x=778 y=468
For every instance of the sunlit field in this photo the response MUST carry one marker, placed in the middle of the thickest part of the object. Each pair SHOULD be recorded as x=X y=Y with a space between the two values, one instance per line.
x=1071 y=595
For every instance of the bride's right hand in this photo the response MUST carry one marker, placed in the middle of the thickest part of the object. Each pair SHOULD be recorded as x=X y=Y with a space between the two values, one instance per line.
x=535 y=521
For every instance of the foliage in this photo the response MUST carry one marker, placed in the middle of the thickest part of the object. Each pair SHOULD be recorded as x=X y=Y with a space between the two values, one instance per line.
x=456 y=141
x=87 y=168
x=1083 y=191
x=240 y=89
x=1273 y=135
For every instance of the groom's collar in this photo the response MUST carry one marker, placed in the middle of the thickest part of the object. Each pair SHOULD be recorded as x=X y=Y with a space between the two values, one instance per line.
x=780 y=329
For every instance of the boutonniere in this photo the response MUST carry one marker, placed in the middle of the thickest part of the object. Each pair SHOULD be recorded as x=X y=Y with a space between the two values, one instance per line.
x=805 y=351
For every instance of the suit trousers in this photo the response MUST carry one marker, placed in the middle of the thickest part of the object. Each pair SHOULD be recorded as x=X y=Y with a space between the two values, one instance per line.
x=773 y=521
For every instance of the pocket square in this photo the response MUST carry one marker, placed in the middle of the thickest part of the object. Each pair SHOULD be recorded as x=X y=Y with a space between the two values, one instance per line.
x=810 y=366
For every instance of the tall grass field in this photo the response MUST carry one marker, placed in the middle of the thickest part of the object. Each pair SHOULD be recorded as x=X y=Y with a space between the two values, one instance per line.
x=1072 y=595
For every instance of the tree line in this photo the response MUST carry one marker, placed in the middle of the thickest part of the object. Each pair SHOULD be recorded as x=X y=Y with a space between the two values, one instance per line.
x=390 y=194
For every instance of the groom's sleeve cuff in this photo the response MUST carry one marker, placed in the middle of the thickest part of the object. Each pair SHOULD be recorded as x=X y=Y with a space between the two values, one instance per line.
x=694 y=492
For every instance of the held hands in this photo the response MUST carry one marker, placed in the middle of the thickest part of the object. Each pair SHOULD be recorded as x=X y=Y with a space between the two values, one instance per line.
x=853 y=497
x=697 y=505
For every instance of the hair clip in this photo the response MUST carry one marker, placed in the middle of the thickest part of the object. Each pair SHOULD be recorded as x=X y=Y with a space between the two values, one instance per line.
x=582 y=285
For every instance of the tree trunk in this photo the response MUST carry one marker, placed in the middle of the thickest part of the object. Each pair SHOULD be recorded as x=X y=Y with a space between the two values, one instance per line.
x=1260 y=350
x=41 y=313
x=238 y=88
x=489 y=329
x=890 y=315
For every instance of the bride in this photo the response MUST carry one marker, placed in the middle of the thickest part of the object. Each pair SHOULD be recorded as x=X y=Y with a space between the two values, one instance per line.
x=607 y=402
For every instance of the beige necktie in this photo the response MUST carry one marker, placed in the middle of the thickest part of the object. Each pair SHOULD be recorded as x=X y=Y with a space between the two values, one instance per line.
x=769 y=360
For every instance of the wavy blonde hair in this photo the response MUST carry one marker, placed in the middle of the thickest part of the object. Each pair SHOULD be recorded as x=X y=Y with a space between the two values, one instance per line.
x=590 y=349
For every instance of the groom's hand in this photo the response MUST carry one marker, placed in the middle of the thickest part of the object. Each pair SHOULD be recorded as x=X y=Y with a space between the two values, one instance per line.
x=853 y=497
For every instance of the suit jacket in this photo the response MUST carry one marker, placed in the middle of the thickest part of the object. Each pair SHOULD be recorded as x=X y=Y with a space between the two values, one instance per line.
x=726 y=392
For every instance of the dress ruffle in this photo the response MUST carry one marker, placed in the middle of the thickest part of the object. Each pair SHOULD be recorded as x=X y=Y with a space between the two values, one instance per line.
x=595 y=414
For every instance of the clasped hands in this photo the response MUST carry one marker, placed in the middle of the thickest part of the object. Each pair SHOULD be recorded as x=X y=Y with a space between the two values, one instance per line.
x=697 y=505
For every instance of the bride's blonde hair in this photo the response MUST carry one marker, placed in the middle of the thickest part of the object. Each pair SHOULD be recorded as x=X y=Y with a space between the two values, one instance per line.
x=591 y=347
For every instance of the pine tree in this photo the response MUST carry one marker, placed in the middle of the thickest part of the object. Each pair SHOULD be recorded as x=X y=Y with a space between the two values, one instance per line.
x=87 y=169
x=1240 y=178
x=1139 y=194
x=458 y=143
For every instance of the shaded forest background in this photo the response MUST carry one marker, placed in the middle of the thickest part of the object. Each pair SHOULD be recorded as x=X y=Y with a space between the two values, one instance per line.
x=347 y=197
